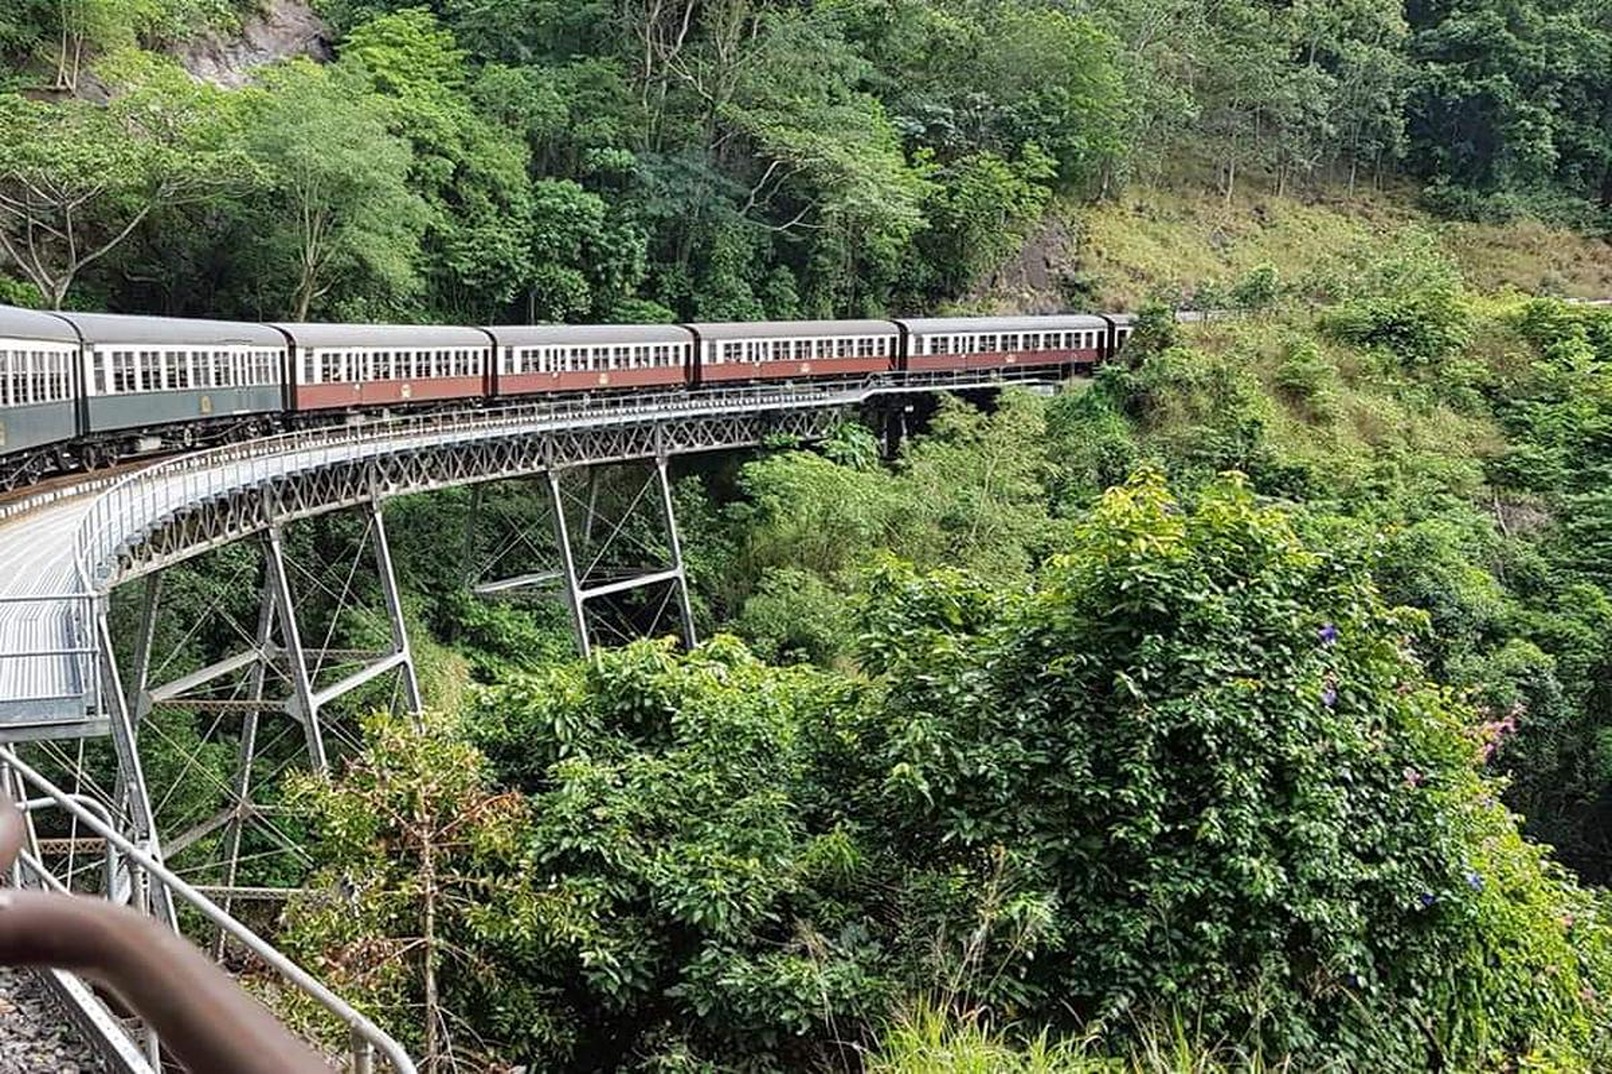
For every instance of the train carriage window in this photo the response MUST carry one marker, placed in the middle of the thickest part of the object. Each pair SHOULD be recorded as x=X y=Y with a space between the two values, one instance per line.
x=1010 y=342
x=5 y=378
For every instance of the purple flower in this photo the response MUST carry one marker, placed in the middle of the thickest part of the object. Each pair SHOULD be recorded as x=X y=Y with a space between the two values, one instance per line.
x=1413 y=778
x=1474 y=881
x=1329 y=634
x=1329 y=695
x=1427 y=899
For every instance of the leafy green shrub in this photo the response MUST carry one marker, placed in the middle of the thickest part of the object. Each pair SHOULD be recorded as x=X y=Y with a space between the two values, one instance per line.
x=1420 y=329
x=1209 y=746
x=1307 y=378
x=1257 y=290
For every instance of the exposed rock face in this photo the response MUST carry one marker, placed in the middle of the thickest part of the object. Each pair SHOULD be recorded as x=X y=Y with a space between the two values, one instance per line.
x=281 y=28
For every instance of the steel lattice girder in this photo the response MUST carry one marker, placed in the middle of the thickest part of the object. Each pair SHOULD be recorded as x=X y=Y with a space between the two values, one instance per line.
x=202 y=526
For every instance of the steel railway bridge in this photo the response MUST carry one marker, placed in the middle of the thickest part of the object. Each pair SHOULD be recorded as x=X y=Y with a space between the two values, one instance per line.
x=72 y=683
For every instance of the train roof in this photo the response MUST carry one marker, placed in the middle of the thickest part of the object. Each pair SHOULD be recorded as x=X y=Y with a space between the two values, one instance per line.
x=531 y=335
x=117 y=328
x=30 y=324
x=401 y=336
x=1057 y=322
x=791 y=329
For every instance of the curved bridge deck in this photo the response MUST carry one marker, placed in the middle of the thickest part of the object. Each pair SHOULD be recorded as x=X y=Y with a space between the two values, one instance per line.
x=63 y=552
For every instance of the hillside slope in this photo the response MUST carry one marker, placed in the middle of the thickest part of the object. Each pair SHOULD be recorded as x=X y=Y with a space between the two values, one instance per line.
x=1191 y=245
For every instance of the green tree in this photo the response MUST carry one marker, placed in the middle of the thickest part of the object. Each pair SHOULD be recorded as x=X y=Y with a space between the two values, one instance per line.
x=340 y=224
x=418 y=843
x=77 y=178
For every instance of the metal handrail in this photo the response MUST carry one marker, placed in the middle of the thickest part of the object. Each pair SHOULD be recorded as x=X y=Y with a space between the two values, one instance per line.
x=365 y=1037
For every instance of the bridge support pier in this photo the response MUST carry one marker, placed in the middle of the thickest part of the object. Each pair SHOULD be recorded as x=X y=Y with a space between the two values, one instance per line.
x=592 y=562
x=275 y=672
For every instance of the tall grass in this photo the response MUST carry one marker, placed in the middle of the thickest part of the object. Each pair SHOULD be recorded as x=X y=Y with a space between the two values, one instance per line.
x=929 y=1040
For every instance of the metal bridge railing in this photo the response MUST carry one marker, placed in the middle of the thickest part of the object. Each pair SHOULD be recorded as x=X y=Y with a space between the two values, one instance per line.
x=182 y=991
x=157 y=491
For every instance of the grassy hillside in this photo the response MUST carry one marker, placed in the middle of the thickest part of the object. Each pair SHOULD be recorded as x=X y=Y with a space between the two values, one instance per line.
x=1184 y=243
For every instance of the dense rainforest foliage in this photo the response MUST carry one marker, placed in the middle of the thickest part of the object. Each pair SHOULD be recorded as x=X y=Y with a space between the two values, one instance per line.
x=634 y=160
x=1246 y=706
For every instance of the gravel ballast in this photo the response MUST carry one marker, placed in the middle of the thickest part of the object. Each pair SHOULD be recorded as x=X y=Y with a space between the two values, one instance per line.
x=36 y=1037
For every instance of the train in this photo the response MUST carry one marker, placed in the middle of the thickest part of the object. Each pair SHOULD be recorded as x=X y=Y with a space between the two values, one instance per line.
x=81 y=391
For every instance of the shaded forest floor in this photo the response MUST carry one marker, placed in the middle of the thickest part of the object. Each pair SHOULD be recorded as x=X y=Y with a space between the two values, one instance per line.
x=1190 y=245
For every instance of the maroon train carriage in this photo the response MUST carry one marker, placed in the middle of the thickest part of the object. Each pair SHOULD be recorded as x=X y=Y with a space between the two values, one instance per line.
x=787 y=350
x=568 y=357
x=340 y=366
x=954 y=343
